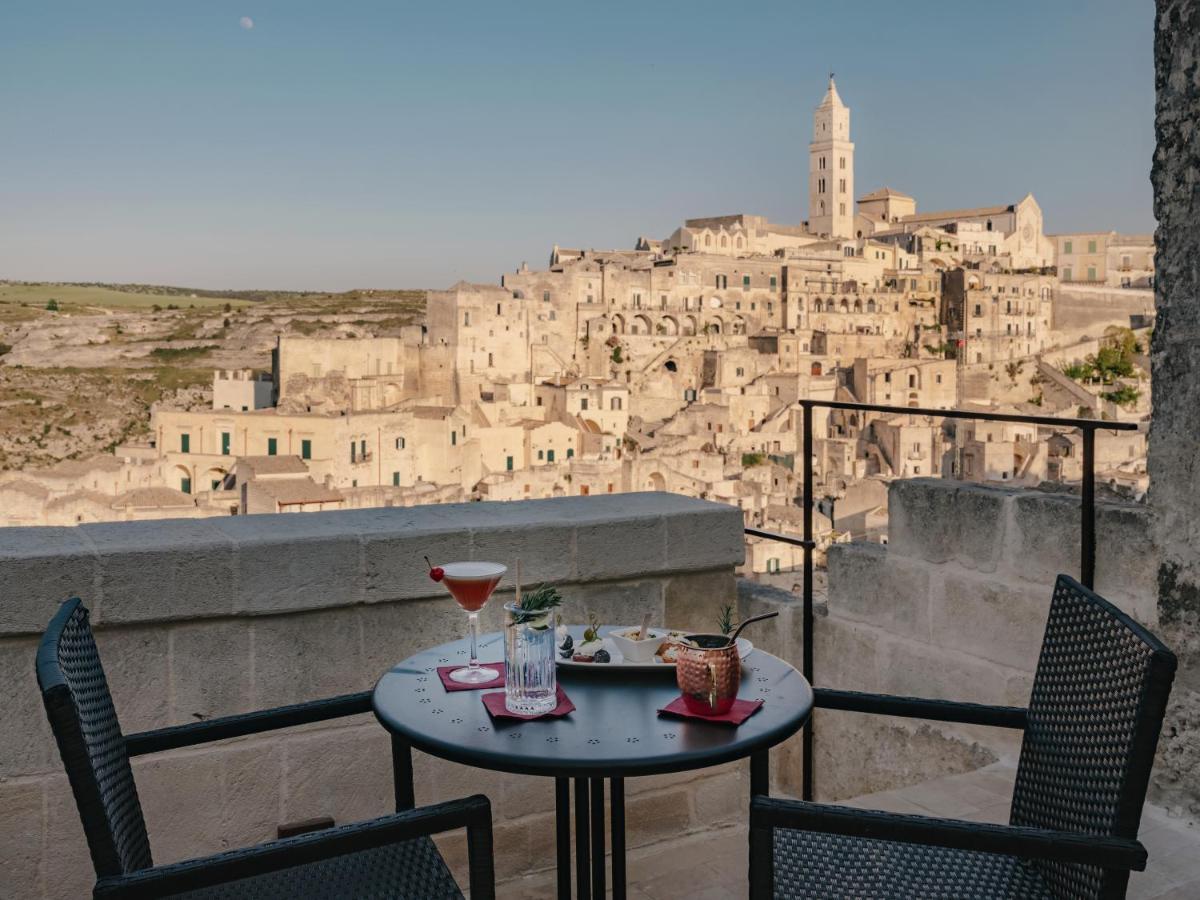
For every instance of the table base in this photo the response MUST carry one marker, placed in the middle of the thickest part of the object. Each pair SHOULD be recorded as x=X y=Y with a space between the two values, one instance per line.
x=590 y=870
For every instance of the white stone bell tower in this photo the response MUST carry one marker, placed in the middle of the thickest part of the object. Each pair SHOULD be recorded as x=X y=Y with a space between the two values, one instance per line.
x=831 y=168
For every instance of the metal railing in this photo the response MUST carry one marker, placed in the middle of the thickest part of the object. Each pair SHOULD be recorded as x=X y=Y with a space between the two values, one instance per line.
x=1087 y=539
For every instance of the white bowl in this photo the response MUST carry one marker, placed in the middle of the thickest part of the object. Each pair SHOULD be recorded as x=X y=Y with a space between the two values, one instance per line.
x=638 y=651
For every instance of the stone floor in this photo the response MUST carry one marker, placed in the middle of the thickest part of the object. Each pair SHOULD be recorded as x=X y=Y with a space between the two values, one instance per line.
x=712 y=865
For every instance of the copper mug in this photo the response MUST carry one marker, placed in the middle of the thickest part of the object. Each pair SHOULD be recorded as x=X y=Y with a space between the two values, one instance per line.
x=709 y=671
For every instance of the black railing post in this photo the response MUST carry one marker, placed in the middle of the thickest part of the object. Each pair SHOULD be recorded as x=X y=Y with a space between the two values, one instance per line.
x=807 y=659
x=1087 y=524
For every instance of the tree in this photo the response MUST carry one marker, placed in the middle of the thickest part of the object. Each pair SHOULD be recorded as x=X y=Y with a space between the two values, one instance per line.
x=52 y=305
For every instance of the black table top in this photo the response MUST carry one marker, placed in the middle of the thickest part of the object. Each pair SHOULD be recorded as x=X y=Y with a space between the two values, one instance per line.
x=615 y=729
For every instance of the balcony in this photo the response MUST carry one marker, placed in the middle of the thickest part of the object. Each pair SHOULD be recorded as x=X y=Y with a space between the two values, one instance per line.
x=197 y=619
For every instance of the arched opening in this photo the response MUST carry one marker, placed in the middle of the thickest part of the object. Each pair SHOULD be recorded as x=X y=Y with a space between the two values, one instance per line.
x=618 y=324
x=215 y=479
x=816 y=369
x=656 y=482
x=845 y=305
x=640 y=325
x=871 y=305
x=857 y=305
x=829 y=305
x=689 y=325
x=183 y=476
x=716 y=325
x=739 y=325
x=708 y=240
x=671 y=366
x=669 y=326
x=724 y=241
x=816 y=306
x=391 y=394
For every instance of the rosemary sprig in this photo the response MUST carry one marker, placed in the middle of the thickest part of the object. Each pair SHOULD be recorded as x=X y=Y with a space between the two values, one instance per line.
x=534 y=607
x=725 y=622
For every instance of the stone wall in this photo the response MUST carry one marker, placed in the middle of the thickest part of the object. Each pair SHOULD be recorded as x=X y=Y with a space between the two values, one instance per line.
x=953 y=607
x=1175 y=373
x=208 y=618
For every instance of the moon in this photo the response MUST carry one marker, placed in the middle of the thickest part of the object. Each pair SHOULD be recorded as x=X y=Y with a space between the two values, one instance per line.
x=246 y=22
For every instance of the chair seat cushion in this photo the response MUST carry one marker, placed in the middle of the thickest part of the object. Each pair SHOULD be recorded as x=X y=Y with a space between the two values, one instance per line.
x=833 y=867
x=411 y=870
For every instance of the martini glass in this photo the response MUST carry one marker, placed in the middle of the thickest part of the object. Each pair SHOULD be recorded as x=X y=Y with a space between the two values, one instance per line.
x=471 y=584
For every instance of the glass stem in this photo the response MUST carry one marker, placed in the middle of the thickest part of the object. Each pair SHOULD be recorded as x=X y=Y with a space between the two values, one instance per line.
x=473 y=627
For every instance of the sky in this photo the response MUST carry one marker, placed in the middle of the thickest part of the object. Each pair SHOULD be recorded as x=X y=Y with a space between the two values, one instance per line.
x=305 y=144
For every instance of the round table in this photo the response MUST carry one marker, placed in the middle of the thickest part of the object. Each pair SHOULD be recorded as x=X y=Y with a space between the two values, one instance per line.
x=614 y=733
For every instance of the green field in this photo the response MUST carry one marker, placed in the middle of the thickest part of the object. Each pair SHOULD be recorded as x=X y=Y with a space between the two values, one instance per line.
x=75 y=297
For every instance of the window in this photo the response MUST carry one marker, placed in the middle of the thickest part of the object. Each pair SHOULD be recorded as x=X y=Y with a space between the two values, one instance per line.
x=453 y=437
x=912 y=381
x=1067 y=247
x=272 y=446
x=1091 y=273
x=570 y=452
x=1066 y=276
x=467 y=318
x=938 y=379
x=508 y=463
x=615 y=403
x=185 y=443
x=820 y=185
x=773 y=565
x=610 y=487
x=841 y=209
x=820 y=162
x=185 y=485
x=225 y=443
x=215 y=484
x=490 y=362
x=353 y=452
x=541 y=454
x=583 y=403
x=395 y=479
x=306 y=449
x=400 y=443
x=545 y=296
x=978 y=309
x=362 y=449
x=549 y=456
x=1091 y=246
x=772 y=282
x=745 y=282
x=841 y=185
x=841 y=162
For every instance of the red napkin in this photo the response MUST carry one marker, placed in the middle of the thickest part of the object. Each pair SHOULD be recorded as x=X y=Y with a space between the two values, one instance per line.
x=451 y=685
x=495 y=706
x=736 y=715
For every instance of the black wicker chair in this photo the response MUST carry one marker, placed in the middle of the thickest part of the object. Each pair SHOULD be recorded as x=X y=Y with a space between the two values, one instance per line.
x=1090 y=732
x=388 y=857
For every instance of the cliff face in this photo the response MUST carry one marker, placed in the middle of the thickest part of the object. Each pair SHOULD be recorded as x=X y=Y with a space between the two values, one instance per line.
x=1175 y=367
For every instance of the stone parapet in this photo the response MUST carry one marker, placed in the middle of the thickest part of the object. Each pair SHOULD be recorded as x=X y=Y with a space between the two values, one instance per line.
x=197 y=619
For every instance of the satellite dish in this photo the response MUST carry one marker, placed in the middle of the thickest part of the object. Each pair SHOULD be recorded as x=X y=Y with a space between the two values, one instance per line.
x=715 y=302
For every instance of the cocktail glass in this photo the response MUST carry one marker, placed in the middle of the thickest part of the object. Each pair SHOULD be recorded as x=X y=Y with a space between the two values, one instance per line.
x=471 y=584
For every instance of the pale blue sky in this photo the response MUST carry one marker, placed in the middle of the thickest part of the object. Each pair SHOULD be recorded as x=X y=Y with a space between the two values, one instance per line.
x=396 y=144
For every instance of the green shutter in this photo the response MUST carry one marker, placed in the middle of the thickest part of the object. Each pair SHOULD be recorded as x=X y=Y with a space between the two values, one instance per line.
x=306 y=449
x=508 y=463
x=549 y=456
x=185 y=443
x=224 y=443
x=272 y=446
x=395 y=479
x=185 y=485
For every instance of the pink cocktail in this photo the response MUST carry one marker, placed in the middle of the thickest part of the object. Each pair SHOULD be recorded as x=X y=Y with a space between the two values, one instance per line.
x=471 y=584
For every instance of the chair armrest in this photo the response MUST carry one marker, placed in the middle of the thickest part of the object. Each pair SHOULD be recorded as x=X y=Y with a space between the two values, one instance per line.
x=246 y=723
x=1031 y=843
x=473 y=813
x=918 y=708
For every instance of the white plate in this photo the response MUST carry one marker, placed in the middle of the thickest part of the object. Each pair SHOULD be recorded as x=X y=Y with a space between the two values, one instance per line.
x=743 y=646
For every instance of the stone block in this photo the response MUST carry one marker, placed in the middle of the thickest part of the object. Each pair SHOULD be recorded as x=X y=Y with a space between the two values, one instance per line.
x=706 y=538
x=180 y=794
x=693 y=602
x=72 y=874
x=613 y=603
x=721 y=799
x=848 y=656
x=307 y=656
x=940 y=521
x=252 y=791
x=395 y=631
x=394 y=561
x=22 y=832
x=933 y=671
x=655 y=816
x=43 y=567
x=211 y=670
x=869 y=584
x=546 y=550
x=136 y=665
x=989 y=619
x=26 y=745
x=345 y=773
x=151 y=571
x=859 y=754
x=782 y=636
x=294 y=562
x=623 y=547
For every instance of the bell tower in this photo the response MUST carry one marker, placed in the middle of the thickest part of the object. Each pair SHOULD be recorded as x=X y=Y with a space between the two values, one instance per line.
x=831 y=168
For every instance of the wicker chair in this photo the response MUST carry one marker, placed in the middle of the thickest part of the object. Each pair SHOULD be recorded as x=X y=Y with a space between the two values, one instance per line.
x=1090 y=732
x=388 y=857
